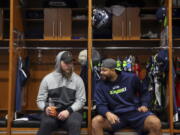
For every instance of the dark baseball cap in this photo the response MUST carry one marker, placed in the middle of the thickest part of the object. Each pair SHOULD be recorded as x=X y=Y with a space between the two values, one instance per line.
x=67 y=57
x=109 y=63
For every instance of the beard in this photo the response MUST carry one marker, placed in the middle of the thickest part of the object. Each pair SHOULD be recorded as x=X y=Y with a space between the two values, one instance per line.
x=105 y=78
x=67 y=74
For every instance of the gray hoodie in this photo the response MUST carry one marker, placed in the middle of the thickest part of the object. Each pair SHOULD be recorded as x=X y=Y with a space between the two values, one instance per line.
x=61 y=92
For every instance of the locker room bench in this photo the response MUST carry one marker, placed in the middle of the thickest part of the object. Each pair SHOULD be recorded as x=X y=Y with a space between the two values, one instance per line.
x=31 y=127
x=3 y=125
x=35 y=124
x=129 y=131
x=33 y=131
x=177 y=125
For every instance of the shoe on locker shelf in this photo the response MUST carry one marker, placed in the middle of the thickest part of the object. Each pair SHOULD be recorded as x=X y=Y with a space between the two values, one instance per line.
x=80 y=17
x=150 y=35
x=177 y=125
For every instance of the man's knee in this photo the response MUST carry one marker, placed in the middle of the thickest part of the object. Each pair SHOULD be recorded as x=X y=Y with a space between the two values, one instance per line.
x=75 y=120
x=75 y=124
x=152 y=123
x=51 y=122
x=97 y=121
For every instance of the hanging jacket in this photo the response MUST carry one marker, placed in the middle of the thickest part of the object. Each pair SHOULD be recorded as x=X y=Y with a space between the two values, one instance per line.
x=163 y=56
x=157 y=77
x=21 y=78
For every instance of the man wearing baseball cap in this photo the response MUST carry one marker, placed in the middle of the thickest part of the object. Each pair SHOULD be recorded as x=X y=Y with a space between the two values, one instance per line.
x=119 y=106
x=61 y=96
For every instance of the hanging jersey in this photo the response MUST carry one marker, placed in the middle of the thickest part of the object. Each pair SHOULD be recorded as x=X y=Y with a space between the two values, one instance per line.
x=21 y=77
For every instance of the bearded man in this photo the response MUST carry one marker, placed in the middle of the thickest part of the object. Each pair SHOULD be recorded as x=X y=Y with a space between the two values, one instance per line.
x=61 y=97
x=122 y=100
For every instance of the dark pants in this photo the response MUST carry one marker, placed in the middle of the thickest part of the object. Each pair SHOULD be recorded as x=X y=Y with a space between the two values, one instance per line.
x=50 y=124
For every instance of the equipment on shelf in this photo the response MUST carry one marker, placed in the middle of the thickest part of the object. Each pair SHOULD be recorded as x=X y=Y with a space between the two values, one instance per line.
x=161 y=13
x=61 y=3
x=101 y=18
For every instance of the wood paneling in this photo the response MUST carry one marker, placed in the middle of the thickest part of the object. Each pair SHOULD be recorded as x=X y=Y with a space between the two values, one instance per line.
x=119 y=28
x=1 y=24
x=33 y=131
x=3 y=94
x=170 y=74
x=127 y=25
x=4 y=74
x=16 y=24
x=57 y=24
x=133 y=23
x=4 y=80
x=50 y=24
x=90 y=44
x=65 y=23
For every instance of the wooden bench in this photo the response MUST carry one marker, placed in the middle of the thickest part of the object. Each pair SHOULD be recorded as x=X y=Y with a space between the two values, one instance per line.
x=31 y=128
x=33 y=131
x=3 y=127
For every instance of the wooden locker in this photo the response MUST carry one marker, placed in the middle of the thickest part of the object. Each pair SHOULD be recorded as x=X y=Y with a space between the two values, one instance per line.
x=50 y=24
x=27 y=132
x=3 y=94
x=64 y=23
x=133 y=24
x=119 y=31
x=1 y=24
x=3 y=133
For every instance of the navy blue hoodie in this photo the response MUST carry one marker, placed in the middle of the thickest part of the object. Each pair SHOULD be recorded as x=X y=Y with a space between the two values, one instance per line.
x=125 y=94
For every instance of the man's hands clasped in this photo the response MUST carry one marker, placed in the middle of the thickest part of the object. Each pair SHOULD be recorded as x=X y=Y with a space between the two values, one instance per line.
x=51 y=111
